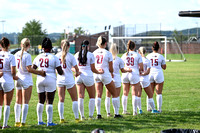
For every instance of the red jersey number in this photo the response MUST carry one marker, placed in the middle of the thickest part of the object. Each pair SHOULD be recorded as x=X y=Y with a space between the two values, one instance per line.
x=154 y=62
x=130 y=61
x=1 y=63
x=64 y=65
x=44 y=62
x=99 y=59
x=18 y=63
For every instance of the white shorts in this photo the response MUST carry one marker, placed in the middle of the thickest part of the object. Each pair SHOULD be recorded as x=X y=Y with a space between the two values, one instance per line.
x=144 y=84
x=23 y=84
x=86 y=80
x=130 y=78
x=68 y=86
x=6 y=87
x=47 y=84
x=117 y=84
x=156 y=77
x=104 y=78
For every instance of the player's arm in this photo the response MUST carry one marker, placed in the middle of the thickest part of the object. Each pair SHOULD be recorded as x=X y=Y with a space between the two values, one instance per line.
x=146 y=72
x=77 y=73
x=34 y=71
x=13 y=72
x=141 y=67
x=59 y=70
x=94 y=70
x=164 y=66
x=124 y=70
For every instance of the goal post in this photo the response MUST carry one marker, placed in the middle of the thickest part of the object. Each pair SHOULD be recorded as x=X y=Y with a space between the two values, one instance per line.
x=170 y=49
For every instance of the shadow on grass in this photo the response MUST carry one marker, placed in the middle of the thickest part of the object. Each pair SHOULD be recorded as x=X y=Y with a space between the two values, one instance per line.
x=145 y=122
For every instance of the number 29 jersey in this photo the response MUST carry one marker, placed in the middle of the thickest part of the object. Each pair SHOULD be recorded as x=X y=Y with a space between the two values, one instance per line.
x=132 y=60
x=102 y=59
x=48 y=63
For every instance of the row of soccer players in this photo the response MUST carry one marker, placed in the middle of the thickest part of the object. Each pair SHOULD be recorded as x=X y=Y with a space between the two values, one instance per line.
x=104 y=64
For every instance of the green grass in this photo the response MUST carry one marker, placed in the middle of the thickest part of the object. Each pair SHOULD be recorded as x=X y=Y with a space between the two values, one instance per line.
x=181 y=107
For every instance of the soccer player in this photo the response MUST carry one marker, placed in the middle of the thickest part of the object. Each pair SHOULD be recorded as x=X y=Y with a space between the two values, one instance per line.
x=24 y=83
x=156 y=74
x=133 y=61
x=104 y=60
x=8 y=72
x=86 y=65
x=118 y=64
x=145 y=83
x=66 y=81
x=46 y=86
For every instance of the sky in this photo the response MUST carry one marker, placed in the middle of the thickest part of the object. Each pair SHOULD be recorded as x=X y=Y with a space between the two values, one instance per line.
x=93 y=15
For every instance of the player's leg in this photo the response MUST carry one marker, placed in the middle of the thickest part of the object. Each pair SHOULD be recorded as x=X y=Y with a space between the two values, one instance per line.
x=40 y=107
x=139 y=99
x=126 y=89
x=49 y=107
x=81 y=94
x=107 y=103
x=135 y=88
x=159 y=88
x=17 y=107
x=1 y=104
x=61 y=96
x=99 y=91
x=91 y=93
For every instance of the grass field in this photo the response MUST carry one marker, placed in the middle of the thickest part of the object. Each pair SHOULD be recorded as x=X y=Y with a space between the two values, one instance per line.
x=181 y=107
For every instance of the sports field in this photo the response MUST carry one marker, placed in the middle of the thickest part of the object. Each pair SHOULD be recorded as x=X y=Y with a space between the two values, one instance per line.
x=181 y=107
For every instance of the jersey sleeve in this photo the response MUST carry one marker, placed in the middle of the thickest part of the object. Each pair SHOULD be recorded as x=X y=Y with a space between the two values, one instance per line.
x=28 y=60
x=123 y=57
x=73 y=61
x=121 y=63
x=110 y=58
x=148 y=63
x=12 y=61
x=36 y=61
x=57 y=61
x=92 y=59
x=163 y=61
x=140 y=58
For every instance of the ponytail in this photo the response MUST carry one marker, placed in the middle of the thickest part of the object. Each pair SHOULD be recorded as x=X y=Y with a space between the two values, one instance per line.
x=82 y=57
x=4 y=42
x=113 y=50
x=155 y=46
x=142 y=50
x=65 y=46
x=130 y=46
x=101 y=41
x=25 y=43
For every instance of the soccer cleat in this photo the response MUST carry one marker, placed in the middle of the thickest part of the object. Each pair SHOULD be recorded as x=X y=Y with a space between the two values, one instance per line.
x=62 y=121
x=99 y=117
x=134 y=113
x=109 y=115
x=6 y=127
x=77 y=120
x=51 y=124
x=149 y=110
x=22 y=125
x=41 y=123
x=91 y=118
x=17 y=124
x=155 y=111
x=125 y=113
x=118 y=116
x=83 y=118
x=140 y=111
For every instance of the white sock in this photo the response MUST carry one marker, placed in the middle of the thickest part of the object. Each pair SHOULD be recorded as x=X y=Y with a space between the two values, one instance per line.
x=81 y=106
x=75 y=109
x=49 y=111
x=107 y=104
x=98 y=105
x=151 y=103
x=134 y=104
x=6 y=115
x=24 y=112
x=17 y=110
x=159 y=101
x=115 y=105
x=40 y=108
x=0 y=112
x=124 y=103
x=139 y=103
x=61 y=109
x=148 y=106
x=91 y=106
x=118 y=99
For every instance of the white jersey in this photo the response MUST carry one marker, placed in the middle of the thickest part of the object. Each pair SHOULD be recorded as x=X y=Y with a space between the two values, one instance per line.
x=117 y=65
x=7 y=60
x=132 y=60
x=157 y=60
x=26 y=61
x=102 y=59
x=48 y=63
x=70 y=62
x=86 y=69
x=146 y=66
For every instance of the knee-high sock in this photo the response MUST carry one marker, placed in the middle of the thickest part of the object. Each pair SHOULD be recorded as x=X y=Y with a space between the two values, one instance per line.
x=75 y=109
x=91 y=106
x=151 y=103
x=24 y=112
x=134 y=104
x=40 y=108
x=6 y=115
x=115 y=105
x=98 y=105
x=61 y=109
x=0 y=112
x=49 y=111
x=107 y=104
x=139 y=103
x=81 y=106
x=159 y=101
x=17 y=110
x=124 y=103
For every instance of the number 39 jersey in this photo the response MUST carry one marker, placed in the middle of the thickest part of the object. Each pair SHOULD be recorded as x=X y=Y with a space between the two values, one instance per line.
x=132 y=60
x=156 y=60
x=48 y=63
x=7 y=60
x=102 y=59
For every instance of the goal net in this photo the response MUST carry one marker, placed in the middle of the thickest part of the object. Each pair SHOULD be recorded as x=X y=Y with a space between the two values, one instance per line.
x=169 y=47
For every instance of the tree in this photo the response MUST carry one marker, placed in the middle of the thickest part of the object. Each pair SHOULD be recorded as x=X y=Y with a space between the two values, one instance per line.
x=33 y=31
x=79 y=31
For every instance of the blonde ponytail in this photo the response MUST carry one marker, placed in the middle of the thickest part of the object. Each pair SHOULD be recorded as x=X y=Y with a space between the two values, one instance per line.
x=25 y=43
x=142 y=50
x=99 y=41
x=65 y=46
x=113 y=50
